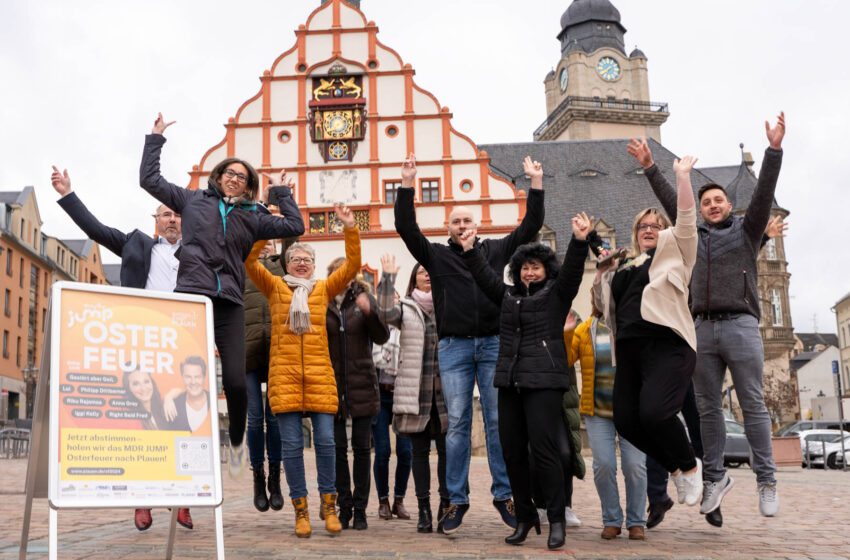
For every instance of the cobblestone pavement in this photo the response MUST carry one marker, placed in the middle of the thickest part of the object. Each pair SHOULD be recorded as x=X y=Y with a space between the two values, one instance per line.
x=812 y=524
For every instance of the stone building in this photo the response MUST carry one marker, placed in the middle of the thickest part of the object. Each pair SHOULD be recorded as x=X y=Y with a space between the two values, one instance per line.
x=842 y=317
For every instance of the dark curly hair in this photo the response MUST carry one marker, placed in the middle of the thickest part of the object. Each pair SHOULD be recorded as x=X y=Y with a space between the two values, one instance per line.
x=529 y=252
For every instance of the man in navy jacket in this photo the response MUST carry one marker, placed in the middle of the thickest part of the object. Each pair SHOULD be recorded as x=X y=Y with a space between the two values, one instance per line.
x=137 y=251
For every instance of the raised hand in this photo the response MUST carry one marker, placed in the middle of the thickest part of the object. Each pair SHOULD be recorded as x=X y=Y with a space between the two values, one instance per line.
x=684 y=166
x=467 y=239
x=344 y=214
x=281 y=180
x=582 y=225
x=776 y=227
x=159 y=125
x=640 y=151
x=571 y=322
x=535 y=171
x=61 y=181
x=777 y=133
x=362 y=302
x=388 y=264
x=408 y=171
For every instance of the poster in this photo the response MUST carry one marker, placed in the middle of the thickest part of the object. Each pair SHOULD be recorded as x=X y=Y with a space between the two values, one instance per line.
x=132 y=399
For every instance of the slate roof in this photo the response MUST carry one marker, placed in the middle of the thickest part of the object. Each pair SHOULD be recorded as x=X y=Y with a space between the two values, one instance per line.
x=82 y=247
x=802 y=359
x=113 y=273
x=810 y=340
x=15 y=197
x=617 y=192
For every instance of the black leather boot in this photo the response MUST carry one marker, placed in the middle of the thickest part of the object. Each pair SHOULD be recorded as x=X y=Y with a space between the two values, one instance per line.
x=557 y=534
x=360 y=523
x=261 y=501
x=275 y=497
x=521 y=531
x=344 y=517
x=441 y=515
x=425 y=524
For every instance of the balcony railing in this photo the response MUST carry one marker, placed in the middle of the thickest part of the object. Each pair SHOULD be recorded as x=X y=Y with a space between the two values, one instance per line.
x=599 y=103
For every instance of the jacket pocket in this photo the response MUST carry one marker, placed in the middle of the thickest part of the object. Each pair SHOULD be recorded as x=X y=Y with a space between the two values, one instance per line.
x=548 y=353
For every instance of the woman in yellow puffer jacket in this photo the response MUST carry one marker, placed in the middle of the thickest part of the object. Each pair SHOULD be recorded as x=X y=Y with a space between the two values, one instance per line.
x=301 y=377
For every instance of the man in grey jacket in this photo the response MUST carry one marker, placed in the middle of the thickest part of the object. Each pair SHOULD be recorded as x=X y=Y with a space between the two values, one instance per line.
x=725 y=306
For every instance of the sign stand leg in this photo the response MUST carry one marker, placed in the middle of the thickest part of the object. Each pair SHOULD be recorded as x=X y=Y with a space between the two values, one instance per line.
x=53 y=535
x=172 y=529
x=219 y=533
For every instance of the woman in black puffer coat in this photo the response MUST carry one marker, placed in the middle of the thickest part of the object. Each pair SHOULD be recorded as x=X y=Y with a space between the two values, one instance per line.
x=531 y=372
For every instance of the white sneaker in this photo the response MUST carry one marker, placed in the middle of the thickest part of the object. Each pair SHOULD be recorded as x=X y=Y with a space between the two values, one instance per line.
x=541 y=513
x=572 y=520
x=681 y=490
x=693 y=485
x=768 y=499
x=237 y=459
x=713 y=492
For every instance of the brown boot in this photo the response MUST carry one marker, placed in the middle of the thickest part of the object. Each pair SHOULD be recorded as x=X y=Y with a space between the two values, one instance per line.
x=384 y=509
x=398 y=508
x=332 y=523
x=302 y=518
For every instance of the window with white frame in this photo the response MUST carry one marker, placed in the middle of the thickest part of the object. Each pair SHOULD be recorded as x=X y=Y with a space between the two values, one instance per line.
x=776 y=305
x=770 y=250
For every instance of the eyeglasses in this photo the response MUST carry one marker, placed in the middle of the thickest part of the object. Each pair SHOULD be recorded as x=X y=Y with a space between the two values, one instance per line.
x=241 y=177
x=166 y=215
x=300 y=260
x=653 y=227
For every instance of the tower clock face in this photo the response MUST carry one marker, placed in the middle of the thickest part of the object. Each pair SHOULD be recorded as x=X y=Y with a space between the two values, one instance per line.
x=338 y=124
x=608 y=69
x=563 y=80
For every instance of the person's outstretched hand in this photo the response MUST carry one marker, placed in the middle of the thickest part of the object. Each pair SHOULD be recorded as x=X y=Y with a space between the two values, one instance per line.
x=640 y=150
x=535 y=172
x=408 y=171
x=388 y=264
x=582 y=226
x=777 y=133
x=159 y=125
x=776 y=227
x=683 y=167
x=61 y=181
x=345 y=215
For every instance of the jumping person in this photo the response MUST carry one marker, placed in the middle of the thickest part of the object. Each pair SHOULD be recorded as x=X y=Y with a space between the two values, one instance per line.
x=467 y=325
x=222 y=223
x=725 y=308
x=146 y=262
x=644 y=302
x=531 y=373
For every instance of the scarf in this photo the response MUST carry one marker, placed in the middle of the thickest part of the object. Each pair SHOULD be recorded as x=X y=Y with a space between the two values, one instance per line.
x=424 y=299
x=299 y=309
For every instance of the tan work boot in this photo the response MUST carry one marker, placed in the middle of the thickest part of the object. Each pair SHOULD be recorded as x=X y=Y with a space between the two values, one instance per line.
x=302 y=518
x=332 y=523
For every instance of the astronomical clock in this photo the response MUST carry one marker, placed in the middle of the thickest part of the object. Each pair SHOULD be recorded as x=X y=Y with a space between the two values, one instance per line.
x=337 y=114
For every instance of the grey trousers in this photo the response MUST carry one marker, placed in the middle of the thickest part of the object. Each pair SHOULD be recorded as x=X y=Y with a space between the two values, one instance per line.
x=734 y=343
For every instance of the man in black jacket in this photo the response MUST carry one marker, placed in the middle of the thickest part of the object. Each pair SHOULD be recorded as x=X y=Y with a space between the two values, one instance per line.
x=725 y=306
x=468 y=327
x=146 y=262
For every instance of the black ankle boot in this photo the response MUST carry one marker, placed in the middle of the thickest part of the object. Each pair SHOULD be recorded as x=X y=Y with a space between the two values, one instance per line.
x=275 y=497
x=360 y=523
x=425 y=524
x=521 y=531
x=261 y=501
x=557 y=534
x=441 y=515
x=344 y=517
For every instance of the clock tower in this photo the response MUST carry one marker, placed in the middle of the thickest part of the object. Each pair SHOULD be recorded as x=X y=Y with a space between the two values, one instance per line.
x=597 y=91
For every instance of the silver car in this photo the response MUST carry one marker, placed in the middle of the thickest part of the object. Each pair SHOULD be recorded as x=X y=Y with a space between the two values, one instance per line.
x=737 y=449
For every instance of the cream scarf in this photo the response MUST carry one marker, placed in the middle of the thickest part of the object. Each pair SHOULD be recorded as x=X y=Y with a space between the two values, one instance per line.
x=299 y=309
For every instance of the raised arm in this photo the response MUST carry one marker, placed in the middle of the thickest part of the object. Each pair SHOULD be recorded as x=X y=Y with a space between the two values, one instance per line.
x=340 y=278
x=389 y=310
x=664 y=191
x=368 y=305
x=572 y=270
x=405 y=216
x=487 y=279
x=149 y=177
x=685 y=226
x=758 y=212
x=259 y=275
x=289 y=223
x=531 y=223
x=109 y=237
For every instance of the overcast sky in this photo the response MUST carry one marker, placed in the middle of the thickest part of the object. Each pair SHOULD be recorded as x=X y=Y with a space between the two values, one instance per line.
x=82 y=82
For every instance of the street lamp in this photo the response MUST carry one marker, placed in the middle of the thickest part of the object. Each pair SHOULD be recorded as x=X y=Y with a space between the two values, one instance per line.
x=30 y=376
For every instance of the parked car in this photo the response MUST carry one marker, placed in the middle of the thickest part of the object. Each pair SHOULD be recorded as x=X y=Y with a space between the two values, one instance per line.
x=834 y=459
x=813 y=444
x=797 y=426
x=737 y=449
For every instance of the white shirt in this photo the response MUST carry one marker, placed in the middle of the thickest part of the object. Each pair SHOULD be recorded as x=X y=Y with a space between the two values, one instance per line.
x=163 y=273
x=195 y=417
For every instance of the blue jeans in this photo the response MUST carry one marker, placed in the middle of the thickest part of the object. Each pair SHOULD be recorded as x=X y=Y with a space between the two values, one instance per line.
x=292 y=442
x=259 y=413
x=734 y=343
x=403 y=452
x=603 y=443
x=463 y=362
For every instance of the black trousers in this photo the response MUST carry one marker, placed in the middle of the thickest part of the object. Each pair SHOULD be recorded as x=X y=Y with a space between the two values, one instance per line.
x=656 y=475
x=531 y=418
x=538 y=494
x=229 y=324
x=653 y=375
x=421 y=443
x=361 y=433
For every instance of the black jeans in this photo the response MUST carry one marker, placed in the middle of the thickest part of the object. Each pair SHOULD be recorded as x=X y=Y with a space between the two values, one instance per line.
x=652 y=378
x=525 y=420
x=656 y=475
x=361 y=432
x=422 y=458
x=567 y=464
x=229 y=323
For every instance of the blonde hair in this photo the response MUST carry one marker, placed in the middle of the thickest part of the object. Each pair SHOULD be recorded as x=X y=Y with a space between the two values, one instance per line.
x=660 y=217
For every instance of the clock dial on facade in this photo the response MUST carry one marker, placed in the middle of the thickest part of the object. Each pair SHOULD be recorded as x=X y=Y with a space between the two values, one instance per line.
x=608 y=69
x=563 y=80
x=338 y=124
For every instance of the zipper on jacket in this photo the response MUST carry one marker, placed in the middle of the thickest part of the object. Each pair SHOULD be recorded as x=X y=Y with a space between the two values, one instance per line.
x=303 y=379
x=344 y=358
x=746 y=299
x=708 y=280
x=546 y=347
